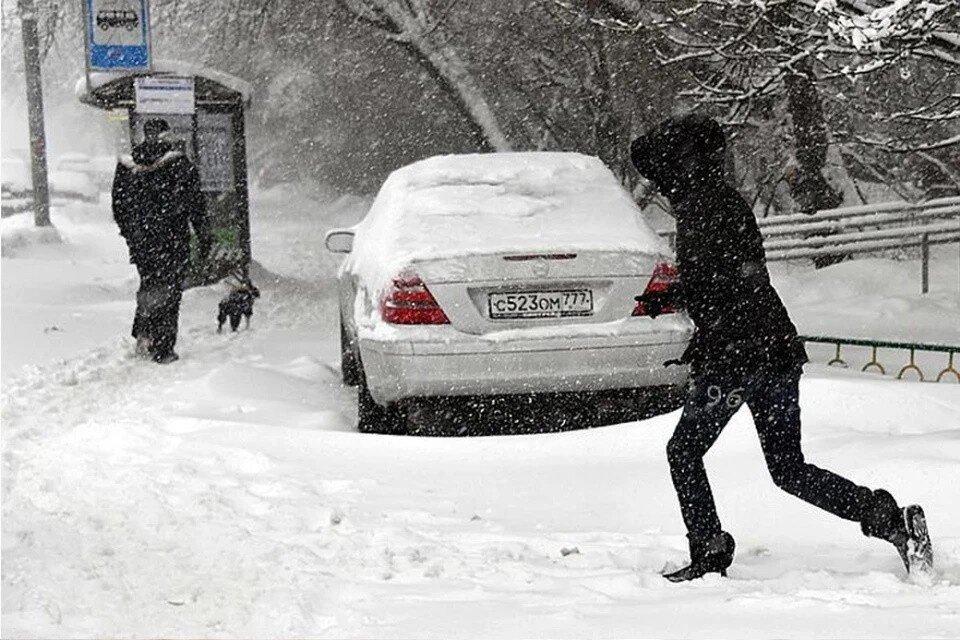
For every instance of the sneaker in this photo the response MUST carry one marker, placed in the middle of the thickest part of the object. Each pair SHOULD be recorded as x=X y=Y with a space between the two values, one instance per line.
x=166 y=358
x=905 y=528
x=711 y=555
x=918 y=552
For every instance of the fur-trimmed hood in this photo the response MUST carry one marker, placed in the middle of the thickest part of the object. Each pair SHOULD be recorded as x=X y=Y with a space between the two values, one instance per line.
x=168 y=157
x=150 y=156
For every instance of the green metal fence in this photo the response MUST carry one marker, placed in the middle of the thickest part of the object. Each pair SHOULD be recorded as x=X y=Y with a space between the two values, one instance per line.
x=875 y=345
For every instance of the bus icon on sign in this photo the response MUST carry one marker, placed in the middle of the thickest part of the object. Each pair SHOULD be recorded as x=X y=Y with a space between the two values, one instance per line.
x=112 y=19
x=118 y=34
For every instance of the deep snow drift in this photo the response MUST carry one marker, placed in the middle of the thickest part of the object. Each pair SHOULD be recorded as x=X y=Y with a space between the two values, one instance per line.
x=229 y=495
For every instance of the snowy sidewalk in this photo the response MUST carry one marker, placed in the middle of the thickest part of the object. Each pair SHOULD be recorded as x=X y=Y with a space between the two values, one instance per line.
x=231 y=498
x=62 y=299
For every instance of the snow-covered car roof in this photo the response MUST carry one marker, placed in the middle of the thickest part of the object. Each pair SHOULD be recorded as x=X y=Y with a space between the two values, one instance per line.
x=456 y=205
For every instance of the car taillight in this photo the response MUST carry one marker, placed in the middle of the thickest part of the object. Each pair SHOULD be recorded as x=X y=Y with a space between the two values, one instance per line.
x=664 y=277
x=408 y=301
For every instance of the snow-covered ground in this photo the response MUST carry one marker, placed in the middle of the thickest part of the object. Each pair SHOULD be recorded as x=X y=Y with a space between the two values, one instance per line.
x=229 y=494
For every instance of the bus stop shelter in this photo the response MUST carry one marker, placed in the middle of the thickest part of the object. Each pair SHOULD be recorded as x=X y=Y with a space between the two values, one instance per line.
x=205 y=111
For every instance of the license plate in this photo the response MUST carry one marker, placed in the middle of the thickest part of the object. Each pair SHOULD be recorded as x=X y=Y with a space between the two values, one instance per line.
x=541 y=304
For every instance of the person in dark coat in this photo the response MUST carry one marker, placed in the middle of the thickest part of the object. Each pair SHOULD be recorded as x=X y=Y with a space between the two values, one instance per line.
x=156 y=199
x=745 y=349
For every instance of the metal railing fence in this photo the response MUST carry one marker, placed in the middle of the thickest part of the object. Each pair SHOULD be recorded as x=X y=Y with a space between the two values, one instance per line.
x=862 y=229
x=875 y=345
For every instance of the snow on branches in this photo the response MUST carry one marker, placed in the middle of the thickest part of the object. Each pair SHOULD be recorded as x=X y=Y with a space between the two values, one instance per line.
x=872 y=28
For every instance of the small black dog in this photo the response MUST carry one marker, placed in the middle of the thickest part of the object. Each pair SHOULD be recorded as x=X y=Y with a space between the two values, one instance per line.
x=238 y=303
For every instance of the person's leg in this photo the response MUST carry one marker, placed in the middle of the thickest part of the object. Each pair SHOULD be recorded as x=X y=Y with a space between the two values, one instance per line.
x=710 y=404
x=149 y=303
x=139 y=329
x=168 y=315
x=774 y=402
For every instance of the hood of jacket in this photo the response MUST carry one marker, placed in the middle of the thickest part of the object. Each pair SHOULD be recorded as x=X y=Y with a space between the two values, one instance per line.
x=149 y=156
x=147 y=153
x=681 y=154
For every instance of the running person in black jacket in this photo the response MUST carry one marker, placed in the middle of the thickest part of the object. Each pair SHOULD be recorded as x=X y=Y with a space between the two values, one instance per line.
x=745 y=351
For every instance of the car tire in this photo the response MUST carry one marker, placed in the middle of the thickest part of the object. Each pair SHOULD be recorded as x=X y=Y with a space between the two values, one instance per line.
x=375 y=418
x=349 y=362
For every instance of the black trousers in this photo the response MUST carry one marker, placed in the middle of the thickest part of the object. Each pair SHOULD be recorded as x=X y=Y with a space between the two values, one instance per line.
x=773 y=399
x=158 y=306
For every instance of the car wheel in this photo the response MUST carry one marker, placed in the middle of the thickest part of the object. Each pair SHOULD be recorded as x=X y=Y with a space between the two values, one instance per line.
x=375 y=418
x=349 y=366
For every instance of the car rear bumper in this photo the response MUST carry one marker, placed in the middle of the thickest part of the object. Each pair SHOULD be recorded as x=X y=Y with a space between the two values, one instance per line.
x=472 y=366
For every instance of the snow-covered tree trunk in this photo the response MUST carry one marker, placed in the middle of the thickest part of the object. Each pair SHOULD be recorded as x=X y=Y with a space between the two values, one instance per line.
x=409 y=23
x=808 y=186
x=454 y=73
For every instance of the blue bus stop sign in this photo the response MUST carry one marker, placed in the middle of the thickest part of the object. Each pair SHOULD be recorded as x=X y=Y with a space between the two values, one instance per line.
x=117 y=35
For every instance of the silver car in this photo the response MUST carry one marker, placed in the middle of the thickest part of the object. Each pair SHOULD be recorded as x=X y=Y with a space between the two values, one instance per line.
x=506 y=274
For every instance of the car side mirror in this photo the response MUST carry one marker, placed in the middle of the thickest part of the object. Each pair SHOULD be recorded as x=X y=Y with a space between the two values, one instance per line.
x=339 y=240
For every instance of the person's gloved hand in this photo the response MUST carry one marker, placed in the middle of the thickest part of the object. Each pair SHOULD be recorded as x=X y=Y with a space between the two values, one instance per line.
x=652 y=303
x=674 y=362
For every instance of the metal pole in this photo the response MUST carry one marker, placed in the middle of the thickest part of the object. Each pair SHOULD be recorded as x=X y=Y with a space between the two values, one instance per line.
x=38 y=140
x=240 y=182
x=925 y=263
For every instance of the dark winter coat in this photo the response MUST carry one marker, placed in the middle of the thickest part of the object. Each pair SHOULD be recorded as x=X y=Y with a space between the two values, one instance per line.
x=156 y=199
x=741 y=323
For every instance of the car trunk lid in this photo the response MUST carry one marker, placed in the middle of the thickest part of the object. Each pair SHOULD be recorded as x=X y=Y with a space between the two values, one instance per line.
x=483 y=293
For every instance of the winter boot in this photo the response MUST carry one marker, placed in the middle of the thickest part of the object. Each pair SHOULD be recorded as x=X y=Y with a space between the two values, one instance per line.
x=144 y=348
x=165 y=358
x=905 y=528
x=707 y=555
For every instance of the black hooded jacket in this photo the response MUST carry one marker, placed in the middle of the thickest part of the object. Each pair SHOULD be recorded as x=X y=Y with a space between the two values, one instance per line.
x=156 y=199
x=724 y=284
